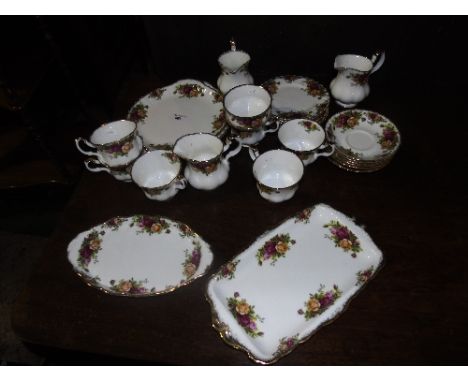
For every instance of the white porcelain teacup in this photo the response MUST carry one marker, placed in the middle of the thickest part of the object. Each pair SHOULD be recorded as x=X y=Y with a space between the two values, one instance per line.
x=157 y=173
x=116 y=143
x=277 y=172
x=306 y=139
x=206 y=168
x=120 y=173
x=248 y=109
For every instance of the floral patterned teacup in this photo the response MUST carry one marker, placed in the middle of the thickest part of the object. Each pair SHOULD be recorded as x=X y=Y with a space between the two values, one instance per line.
x=278 y=173
x=119 y=173
x=248 y=108
x=206 y=168
x=116 y=143
x=306 y=139
x=157 y=173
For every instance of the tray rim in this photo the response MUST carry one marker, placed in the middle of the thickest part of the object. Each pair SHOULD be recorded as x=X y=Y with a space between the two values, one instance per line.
x=90 y=282
x=223 y=329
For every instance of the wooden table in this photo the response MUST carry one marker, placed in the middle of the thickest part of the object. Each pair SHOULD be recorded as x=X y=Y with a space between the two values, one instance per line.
x=413 y=312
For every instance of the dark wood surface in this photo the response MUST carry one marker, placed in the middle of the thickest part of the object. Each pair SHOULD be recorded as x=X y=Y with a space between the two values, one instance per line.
x=413 y=312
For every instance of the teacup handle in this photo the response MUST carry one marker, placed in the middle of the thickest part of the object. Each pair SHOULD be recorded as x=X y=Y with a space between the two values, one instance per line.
x=274 y=120
x=326 y=152
x=95 y=162
x=381 y=57
x=233 y=152
x=80 y=140
x=253 y=152
x=181 y=183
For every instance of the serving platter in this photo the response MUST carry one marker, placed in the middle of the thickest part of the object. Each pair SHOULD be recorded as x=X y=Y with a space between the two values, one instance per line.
x=185 y=107
x=291 y=281
x=139 y=255
x=298 y=97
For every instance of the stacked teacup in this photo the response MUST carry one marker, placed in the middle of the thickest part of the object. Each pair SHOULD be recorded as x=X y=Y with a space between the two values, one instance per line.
x=116 y=145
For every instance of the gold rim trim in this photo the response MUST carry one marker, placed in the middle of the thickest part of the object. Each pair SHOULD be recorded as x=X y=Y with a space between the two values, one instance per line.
x=93 y=284
x=330 y=127
x=127 y=137
x=356 y=169
x=225 y=332
x=159 y=189
x=200 y=162
x=262 y=114
x=323 y=106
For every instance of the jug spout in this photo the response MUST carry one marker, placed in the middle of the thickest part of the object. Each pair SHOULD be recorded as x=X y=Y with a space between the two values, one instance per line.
x=353 y=61
x=232 y=61
x=234 y=71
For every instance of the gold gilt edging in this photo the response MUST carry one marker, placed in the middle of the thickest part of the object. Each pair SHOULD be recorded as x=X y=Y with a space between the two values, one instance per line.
x=92 y=282
x=225 y=332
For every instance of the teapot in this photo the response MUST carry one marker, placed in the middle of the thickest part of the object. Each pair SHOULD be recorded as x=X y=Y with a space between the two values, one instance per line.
x=234 y=72
x=351 y=85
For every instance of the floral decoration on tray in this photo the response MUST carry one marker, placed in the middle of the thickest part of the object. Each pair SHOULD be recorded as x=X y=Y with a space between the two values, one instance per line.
x=320 y=301
x=139 y=255
x=275 y=248
x=245 y=315
x=343 y=237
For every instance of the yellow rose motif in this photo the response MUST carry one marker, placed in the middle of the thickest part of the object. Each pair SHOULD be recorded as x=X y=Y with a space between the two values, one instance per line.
x=387 y=144
x=95 y=244
x=230 y=267
x=243 y=308
x=218 y=124
x=313 y=305
x=190 y=269
x=283 y=347
x=352 y=121
x=345 y=244
x=127 y=147
x=156 y=227
x=125 y=286
x=210 y=168
x=281 y=247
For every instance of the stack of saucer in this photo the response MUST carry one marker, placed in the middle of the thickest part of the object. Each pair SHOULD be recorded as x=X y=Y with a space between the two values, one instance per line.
x=365 y=141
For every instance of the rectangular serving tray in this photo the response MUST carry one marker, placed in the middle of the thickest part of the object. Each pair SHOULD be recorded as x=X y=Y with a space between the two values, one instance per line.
x=291 y=281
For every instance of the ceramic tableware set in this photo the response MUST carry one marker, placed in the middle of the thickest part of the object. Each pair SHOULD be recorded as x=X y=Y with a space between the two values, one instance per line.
x=310 y=266
x=192 y=119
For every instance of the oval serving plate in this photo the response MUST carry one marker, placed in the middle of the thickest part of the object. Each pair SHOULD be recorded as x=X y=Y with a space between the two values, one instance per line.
x=290 y=282
x=363 y=135
x=139 y=255
x=185 y=107
x=298 y=97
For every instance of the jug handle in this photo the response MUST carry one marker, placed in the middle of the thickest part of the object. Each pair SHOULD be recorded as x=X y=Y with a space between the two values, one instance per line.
x=381 y=59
